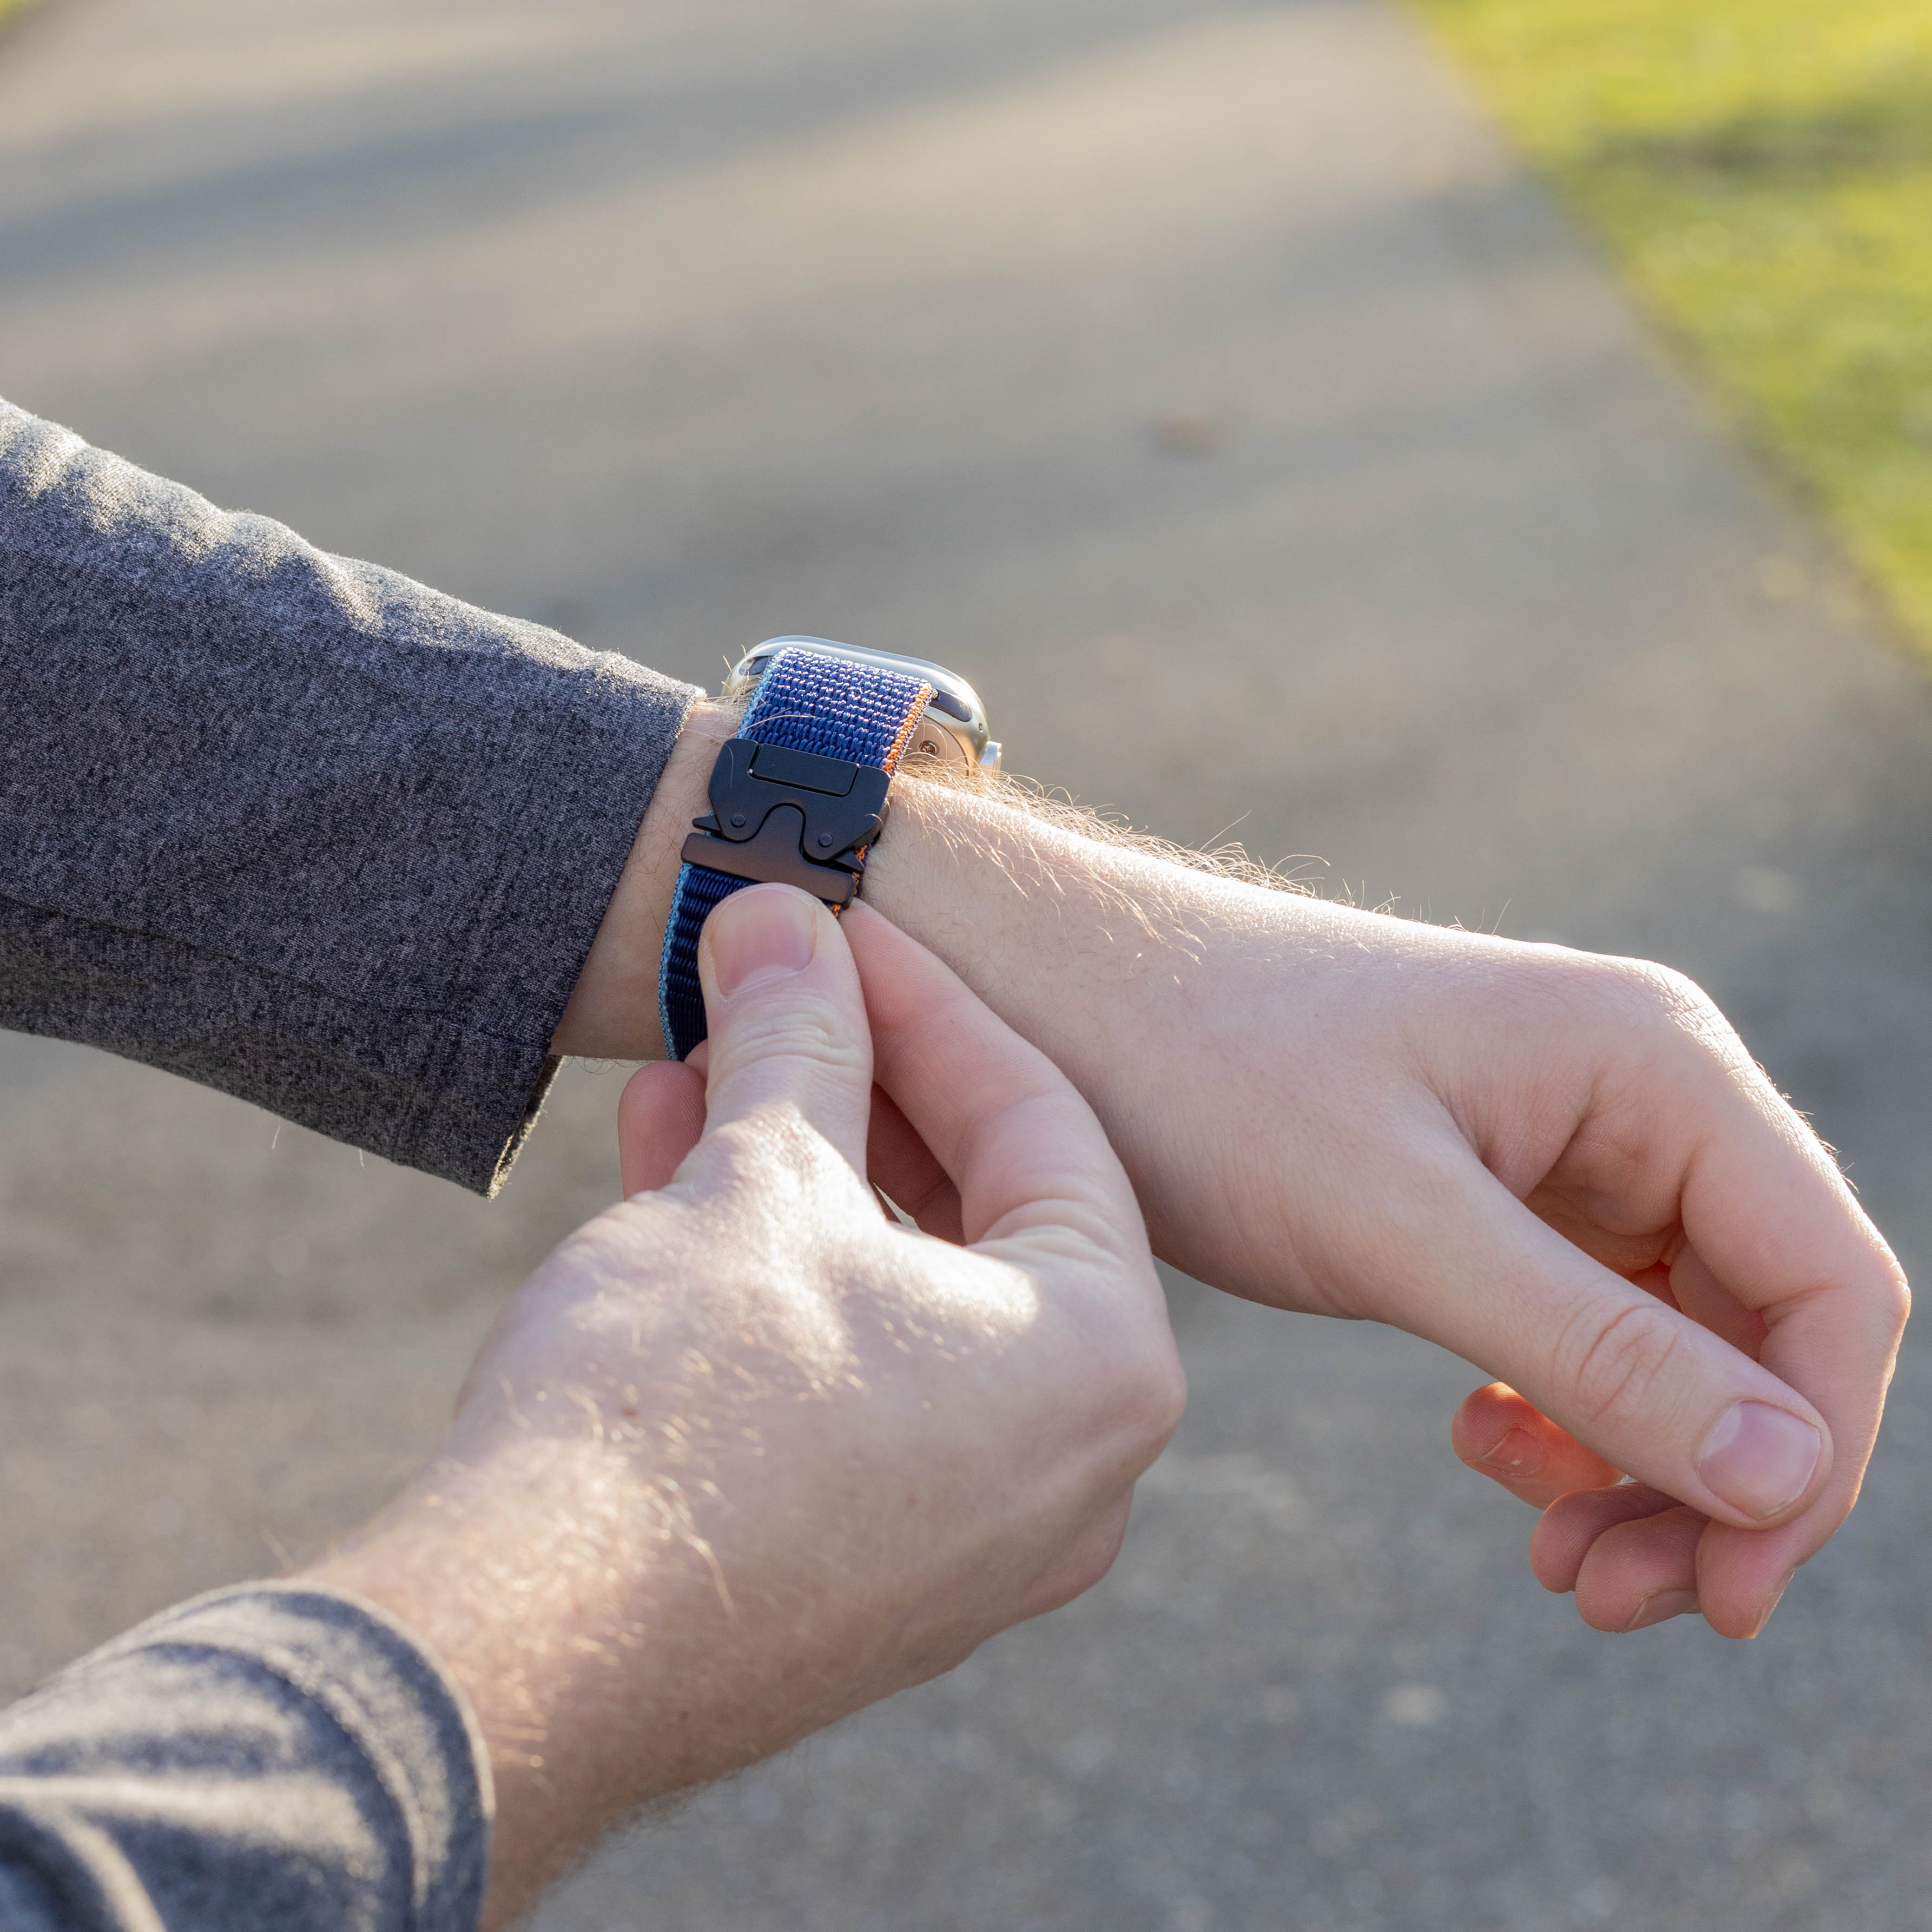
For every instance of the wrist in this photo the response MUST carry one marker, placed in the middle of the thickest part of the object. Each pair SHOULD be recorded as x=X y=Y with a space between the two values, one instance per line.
x=613 y=1012
x=1036 y=916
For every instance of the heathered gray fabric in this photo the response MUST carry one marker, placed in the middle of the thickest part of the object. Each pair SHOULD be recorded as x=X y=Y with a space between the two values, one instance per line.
x=273 y=1756
x=292 y=826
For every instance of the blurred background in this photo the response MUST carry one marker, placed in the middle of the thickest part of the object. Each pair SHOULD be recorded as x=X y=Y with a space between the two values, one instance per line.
x=1215 y=386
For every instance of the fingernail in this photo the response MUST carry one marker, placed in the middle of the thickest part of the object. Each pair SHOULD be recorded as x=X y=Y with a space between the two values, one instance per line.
x=1518 y=1453
x=756 y=937
x=1776 y=1597
x=1661 y=1607
x=1760 y=1459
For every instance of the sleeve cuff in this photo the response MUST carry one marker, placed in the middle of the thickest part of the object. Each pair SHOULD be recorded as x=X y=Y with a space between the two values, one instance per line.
x=396 y=1710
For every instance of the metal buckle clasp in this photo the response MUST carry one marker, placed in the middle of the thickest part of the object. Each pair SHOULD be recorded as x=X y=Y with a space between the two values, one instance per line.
x=790 y=818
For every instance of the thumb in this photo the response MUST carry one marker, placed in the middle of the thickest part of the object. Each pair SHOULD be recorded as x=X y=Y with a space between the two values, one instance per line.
x=786 y=1017
x=1628 y=1375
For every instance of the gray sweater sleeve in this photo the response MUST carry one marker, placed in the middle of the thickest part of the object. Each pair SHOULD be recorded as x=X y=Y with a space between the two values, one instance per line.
x=269 y=1759
x=293 y=825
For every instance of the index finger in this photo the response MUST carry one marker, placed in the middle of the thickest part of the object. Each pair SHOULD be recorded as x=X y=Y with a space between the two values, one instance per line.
x=1022 y=1146
x=1766 y=1210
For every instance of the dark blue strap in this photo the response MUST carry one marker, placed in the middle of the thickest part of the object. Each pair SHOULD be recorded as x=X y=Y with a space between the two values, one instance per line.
x=807 y=703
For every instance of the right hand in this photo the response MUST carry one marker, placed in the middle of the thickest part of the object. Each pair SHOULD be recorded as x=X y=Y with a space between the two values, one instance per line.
x=744 y=1455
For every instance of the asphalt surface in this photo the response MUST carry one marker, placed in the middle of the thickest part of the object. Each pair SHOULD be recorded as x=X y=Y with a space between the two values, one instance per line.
x=1207 y=383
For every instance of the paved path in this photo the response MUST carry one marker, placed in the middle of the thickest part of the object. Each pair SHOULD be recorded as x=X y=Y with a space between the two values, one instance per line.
x=1204 y=381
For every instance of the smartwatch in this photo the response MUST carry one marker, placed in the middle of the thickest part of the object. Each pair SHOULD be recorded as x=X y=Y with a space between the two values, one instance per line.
x=798 y=796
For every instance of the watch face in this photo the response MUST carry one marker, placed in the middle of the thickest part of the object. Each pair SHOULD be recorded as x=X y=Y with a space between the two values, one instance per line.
x=952 y=726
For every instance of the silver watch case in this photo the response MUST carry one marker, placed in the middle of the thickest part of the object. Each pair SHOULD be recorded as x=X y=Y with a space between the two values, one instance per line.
x=952 y=727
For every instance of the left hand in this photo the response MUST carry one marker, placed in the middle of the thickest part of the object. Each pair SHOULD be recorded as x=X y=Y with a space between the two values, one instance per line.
x=1565 y=1169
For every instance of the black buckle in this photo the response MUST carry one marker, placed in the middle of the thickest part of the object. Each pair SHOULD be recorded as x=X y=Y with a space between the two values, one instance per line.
x=789 y=818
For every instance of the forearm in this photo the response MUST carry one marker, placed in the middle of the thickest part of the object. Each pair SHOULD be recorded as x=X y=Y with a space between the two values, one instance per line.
x=562 y=1582
x=612 y=1011
x=508 y=1570
x=1138 y=976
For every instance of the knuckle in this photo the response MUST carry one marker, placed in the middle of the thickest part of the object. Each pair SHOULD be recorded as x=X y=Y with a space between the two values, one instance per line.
x=813 y=1031
x=1662 y=995
x=1610 y=1367
x=776 y=1158
x=1089 y=1568
x=1664 y=1016
x=1146 y=1391
x=1164 y=1397
x=1897 y=1299
x=1151 y=1405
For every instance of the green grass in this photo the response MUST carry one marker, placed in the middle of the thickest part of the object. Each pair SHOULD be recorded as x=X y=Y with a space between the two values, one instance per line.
x=1762 y=170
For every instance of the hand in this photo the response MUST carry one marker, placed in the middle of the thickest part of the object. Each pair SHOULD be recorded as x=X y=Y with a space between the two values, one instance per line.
x=1565 y=1169
x=744 y=1455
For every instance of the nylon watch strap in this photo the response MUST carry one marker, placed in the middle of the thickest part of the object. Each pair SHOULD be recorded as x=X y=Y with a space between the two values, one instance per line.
x=826 y=708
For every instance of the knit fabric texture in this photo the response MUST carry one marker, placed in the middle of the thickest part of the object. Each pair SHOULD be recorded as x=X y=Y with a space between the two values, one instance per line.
x=275 y=1758
x=296 y=827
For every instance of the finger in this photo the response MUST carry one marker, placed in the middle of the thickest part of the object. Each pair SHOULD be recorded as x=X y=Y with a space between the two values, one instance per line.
x=1570 y=1527
x=1662 y=1262
x=900 y=1165
x=1020 y=1145
x=660 y=1116
x=786 y=1018
x=1500 y=1436
x=1620 y=1249
x=1648 y=1571
x=1640 y=1383
x=1641 y=1572
x=1708 y=1302
x=1770 y=1219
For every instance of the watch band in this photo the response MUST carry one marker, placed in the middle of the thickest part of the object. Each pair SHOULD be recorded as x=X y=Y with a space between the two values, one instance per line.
x=830 y=708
